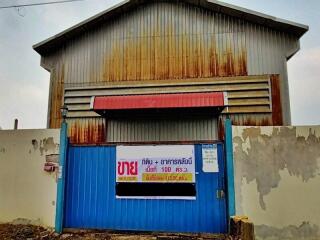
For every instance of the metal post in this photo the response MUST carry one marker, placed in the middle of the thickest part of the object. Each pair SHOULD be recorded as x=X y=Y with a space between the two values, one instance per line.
x=15 y=124
x=61 y=177
x=230 y=168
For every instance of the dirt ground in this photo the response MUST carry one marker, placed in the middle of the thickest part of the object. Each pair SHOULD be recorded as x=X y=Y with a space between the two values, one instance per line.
x=28 y=232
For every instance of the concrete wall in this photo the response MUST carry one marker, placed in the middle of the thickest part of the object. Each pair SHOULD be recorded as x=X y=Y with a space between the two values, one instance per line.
x=27 y=192
x=277 y=180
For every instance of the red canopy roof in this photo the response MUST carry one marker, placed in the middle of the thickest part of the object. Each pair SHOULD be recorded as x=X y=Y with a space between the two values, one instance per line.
x=160 y=101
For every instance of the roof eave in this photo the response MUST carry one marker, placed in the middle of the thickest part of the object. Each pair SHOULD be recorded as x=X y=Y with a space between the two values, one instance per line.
x=253 y=16
x=38 y=47
x=296 y=29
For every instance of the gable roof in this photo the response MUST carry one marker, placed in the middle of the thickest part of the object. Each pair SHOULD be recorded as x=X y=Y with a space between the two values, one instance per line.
x=296 y=29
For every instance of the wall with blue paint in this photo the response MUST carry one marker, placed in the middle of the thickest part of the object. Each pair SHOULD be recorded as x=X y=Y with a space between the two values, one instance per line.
x=91 y=200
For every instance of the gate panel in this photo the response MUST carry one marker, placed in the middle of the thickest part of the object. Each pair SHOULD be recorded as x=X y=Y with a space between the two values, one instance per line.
x=91 y=198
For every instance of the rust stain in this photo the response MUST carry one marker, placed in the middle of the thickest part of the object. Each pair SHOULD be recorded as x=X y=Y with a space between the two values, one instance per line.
x=170 y=56
x=276 y=101
x=221 y=129
x=268 y=119
x=56 y=97
x=214 y=60
x=160 y=55
x=244 y=120
x=253 y=121
x=87 y=132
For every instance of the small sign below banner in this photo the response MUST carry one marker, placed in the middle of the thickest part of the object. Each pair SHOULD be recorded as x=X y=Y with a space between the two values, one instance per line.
x=210 y=158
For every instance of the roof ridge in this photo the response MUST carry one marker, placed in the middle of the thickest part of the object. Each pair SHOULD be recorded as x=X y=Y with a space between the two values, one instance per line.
x=214 y=5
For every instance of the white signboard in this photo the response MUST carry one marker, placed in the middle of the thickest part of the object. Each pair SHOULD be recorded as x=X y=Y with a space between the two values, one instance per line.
x=210 y=158
x=156 y=164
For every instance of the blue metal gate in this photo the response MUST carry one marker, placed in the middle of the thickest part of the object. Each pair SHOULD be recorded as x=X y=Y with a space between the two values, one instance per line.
x=91 y=199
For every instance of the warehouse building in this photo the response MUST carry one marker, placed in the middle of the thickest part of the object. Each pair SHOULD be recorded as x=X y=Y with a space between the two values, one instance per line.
x=148 y=86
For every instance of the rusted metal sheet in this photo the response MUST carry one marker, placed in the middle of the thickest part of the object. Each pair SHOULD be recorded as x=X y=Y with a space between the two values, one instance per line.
x=95 y=130
x=171 y=43
x=249 y=94
x=158 y=41
x=171 y=82
x=87 y=130
x=277 y=119
x=56 y=94
x=238 y=12
x=260 y=119
x=170 y=55
x=247 y=103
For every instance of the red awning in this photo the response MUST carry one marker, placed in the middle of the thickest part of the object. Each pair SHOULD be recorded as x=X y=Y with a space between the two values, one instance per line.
x=160 y=101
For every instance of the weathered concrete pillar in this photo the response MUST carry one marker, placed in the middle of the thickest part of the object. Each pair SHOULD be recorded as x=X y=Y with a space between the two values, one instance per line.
x=241 y=228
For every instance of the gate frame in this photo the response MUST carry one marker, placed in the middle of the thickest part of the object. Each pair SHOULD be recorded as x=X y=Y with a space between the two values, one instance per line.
x=231 y=204
x=60 y=202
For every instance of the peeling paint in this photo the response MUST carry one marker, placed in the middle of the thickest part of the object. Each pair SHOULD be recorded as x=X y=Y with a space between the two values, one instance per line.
x=306 y=231
x=52 y=158
x=23 y=179
x=2 y=150
x=35 y=144
x=48 y=144
x=260 y=157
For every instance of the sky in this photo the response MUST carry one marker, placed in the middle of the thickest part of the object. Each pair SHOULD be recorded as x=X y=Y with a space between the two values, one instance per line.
x=24 y=85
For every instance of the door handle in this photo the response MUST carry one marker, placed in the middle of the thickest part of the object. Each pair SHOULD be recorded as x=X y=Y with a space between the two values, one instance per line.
x=220 y=194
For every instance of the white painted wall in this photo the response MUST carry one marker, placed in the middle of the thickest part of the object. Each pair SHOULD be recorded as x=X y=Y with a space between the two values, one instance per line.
x=277 y=180
x=26 y=190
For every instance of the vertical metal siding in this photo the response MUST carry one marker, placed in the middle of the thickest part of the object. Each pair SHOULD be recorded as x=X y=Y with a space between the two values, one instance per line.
x=163 y=40
x=162 y=130
x=91 y=201
x=87 y=130
x=242 y=92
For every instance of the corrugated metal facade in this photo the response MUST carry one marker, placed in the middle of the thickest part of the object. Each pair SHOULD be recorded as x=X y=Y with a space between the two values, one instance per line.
x=181 y=130
x=91 y=198
x=249 y=94
x=170 y=41
x=252 y=100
